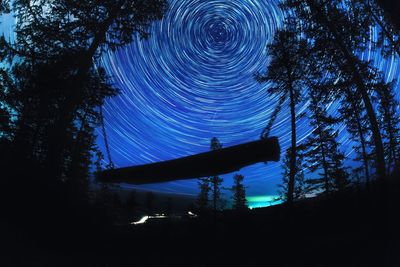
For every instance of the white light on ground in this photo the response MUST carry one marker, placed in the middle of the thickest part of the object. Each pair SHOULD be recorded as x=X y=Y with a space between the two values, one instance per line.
x=146 y=217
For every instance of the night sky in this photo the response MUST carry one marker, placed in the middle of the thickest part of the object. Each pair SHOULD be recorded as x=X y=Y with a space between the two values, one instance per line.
x=193 y=80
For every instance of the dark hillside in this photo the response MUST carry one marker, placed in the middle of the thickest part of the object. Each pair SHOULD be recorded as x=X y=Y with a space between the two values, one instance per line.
x=356 y=228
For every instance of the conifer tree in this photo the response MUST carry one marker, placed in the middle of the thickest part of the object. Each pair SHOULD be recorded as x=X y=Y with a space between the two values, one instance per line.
x=336 y=39
x=286 y=72
x=300 y=187
x=367 y=14
x=352 y=113
x=6 y=125
x=204 y=195
x=390 y=123
x=322 y=151
x=215 y=180
x=239 y=193
x=55 y=85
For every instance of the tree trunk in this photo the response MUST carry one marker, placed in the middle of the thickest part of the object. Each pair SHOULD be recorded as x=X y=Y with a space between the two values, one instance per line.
x=392 y=8
x=292 y=173
x=363 y=150
x=385 y=31
x=324 y=163
x=356 y=115
x=55 y=155
x=359 y=82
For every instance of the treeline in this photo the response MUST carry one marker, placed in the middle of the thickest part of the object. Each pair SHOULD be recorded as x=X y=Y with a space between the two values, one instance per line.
x=315 y=59
x=52 y=91
x=210 y=197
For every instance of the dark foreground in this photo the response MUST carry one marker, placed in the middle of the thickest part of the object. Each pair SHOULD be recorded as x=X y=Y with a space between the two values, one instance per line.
x=357 y=228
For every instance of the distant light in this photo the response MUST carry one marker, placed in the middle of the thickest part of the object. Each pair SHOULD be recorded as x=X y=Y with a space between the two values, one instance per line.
x=142 y=220
x=158 y=216
x=147 y=217
x=192 y=214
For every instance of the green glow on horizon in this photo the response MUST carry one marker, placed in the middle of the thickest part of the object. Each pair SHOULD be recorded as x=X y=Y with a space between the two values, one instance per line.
x=262 y=201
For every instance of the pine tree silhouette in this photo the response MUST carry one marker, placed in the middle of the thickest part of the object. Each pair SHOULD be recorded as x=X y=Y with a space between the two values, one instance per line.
x=286 y=72
x=204 y=195
x=390 y=123
x=322 y=151
x=329 y=26
x=239 y=193
x=216 y=181
x=300 y=188
x=352 y=113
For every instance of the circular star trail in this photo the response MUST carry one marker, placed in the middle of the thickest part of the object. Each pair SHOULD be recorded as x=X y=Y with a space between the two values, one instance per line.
x=193 y=80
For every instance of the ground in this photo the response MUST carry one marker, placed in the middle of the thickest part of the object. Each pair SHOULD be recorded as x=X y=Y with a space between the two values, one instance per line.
x=356 y=228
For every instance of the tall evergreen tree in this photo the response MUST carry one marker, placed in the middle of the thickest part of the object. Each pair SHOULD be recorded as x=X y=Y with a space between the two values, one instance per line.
x=330 y=28
x=286 y=72
x=369 y=13
x=300 y=187
x=239 y=193
x=6 y=125
x=215 y=180
x=204 y=195
x=390 y=124
x=322 y=147
x=352 y=113
x=55 y=85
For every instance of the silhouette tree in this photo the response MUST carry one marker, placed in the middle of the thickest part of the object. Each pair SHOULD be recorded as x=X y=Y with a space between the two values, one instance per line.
x=55 y=87
x=215 y=180
x=392 y=9
x=215 y=144
x=285 y=71
x=239 y=193
x=322 y=151
x=300 y=187
x=329 y=26
x=369 y=13
x=6 y=124
x=390 y=124
x=352 y=113
x=206 y=188
x=203 y=197
x=4 y=7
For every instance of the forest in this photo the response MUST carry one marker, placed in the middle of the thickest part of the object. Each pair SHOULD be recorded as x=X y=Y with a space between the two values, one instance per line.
x=332 y=210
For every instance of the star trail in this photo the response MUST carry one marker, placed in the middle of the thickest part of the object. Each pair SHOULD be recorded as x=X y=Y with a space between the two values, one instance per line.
x=193 y=80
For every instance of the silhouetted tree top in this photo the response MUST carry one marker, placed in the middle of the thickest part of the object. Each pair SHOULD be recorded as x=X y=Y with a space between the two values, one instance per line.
x=239 y=193
x=299 y=186
x=203 y=196
x=4 y=7
x=215 y=144
x=322 y=148
x=335 y=37
x=287 y=74
x=392 y=8
x=52 y=27
x=53 y=76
